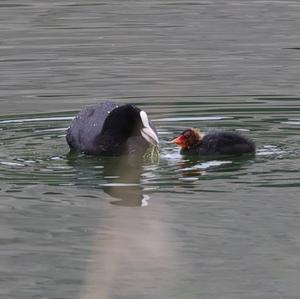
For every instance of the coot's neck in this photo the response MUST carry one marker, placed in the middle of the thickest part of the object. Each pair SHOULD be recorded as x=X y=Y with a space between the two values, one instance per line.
x=111 y=144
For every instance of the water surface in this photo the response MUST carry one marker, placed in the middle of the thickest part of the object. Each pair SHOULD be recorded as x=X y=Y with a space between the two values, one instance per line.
x=92 y=227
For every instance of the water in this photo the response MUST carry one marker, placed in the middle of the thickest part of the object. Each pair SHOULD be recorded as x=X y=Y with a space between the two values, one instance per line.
x=92 y=227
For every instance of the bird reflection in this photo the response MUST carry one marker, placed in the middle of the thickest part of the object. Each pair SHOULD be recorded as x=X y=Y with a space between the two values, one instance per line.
x=130 y=245
x=195 y=167
x=126 y=185
x=188 y=167
x=119 y=177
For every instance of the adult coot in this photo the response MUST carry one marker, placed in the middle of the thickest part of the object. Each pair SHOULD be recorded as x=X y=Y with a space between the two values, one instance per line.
x=111 y=129
x=194 y=142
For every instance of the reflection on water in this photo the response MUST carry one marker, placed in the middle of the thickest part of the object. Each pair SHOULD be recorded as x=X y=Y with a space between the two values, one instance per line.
x=132 y=257
x=119 y=177
x=88 y=227
x=37 y=146
x=81 y=216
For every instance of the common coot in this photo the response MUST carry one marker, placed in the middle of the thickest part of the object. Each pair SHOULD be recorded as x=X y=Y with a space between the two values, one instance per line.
x=194 y=142
x=111 y=129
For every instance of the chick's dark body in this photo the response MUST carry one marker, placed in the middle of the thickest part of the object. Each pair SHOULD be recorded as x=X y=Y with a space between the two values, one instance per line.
x=221 y=143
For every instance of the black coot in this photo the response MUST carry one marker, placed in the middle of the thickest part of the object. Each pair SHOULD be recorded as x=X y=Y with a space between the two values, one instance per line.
x=111 y=129
x=193 y=142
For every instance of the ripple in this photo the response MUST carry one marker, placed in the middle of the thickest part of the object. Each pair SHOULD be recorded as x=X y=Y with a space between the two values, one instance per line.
x=268 y=150
x=37 y=145
x=191 y=179
x=38 y=119
x=292 y=122
x=206 y=165
x=204 y=118
x=11 y=164
x=119 y=185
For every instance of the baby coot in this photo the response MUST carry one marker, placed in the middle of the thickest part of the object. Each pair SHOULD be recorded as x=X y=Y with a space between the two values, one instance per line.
x=194 y=142
x=111 y=129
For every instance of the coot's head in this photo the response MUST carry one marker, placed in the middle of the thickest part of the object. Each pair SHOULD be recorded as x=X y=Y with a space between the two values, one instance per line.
x=189 y=138
x=129 y=121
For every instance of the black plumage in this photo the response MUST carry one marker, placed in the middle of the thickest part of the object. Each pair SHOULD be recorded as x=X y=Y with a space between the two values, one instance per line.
x=111 y=129
x=214 y=143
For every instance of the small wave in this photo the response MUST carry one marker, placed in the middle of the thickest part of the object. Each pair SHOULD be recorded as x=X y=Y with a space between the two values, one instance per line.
x=292 y=122
x=206 y=165
x=202 y=118
x=268 y=150
x=11 y=164
x=119 y=185
x=23 y=120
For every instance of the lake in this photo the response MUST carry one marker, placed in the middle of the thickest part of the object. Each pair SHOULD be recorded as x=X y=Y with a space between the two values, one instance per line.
x=92 y=227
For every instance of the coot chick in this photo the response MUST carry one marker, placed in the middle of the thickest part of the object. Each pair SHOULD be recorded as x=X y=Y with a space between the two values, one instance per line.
x=194 y=142
x=111 y=129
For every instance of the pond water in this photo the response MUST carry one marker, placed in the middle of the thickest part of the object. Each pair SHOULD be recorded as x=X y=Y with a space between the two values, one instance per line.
x=93 y=227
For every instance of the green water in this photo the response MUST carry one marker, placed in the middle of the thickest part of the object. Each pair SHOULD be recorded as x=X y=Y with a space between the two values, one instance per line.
x=83 y=227
x=86 y=225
